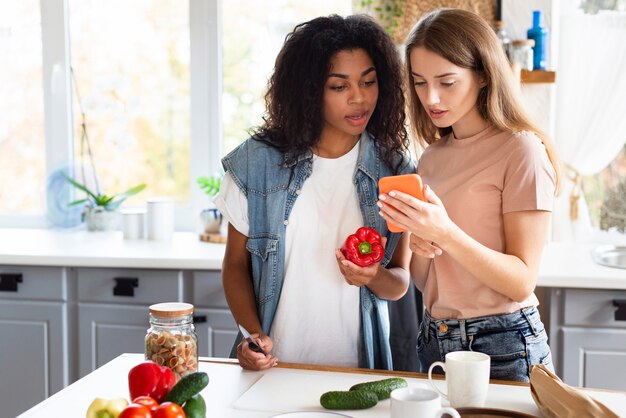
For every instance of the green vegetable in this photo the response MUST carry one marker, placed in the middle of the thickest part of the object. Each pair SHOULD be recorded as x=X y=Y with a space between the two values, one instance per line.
x=354 y=399
x=382 y=388
x=195 y=407
x=187 y=387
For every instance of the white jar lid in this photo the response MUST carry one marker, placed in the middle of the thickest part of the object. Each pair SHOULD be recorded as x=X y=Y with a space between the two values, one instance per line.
x=171 y=309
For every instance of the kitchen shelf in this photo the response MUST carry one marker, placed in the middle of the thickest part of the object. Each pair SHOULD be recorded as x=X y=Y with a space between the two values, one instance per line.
x=538 y=76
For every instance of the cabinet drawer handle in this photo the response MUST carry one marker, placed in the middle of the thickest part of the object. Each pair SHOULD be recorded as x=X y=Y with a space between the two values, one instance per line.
x=199 y=319
x=9 y=281
x=125 y=286
x=620 y=312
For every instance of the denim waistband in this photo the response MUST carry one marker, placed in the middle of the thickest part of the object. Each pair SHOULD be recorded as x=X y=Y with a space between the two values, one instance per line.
x=454 y=328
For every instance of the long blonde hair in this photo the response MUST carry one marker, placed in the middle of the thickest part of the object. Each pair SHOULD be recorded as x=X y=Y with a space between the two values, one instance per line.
x=466 y=40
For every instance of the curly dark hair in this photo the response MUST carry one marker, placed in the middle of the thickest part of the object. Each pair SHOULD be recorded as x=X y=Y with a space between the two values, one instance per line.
x=293 y=120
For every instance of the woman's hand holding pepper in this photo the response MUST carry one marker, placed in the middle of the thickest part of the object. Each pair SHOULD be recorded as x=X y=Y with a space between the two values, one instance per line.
x=354 y=274
x=428 y=221
x=251 y=360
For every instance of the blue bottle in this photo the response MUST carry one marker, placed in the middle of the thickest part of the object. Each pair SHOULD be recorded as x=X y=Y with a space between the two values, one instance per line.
x=539 y=34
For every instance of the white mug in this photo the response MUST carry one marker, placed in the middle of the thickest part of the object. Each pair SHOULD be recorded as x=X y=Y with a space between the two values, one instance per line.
x=160 y=219
x=420 y=402
x=467 y=378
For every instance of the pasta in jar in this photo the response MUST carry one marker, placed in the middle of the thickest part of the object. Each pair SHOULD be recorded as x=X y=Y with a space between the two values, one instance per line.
x=171 y=339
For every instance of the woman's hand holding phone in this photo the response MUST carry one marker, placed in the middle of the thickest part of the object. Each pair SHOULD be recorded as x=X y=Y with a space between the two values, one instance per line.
x=422 y=214
x=410 y=184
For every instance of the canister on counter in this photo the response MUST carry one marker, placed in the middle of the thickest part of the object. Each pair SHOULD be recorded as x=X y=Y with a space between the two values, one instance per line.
x=171 y=339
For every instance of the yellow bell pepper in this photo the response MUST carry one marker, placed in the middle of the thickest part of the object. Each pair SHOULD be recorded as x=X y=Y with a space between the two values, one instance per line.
x=106 y=408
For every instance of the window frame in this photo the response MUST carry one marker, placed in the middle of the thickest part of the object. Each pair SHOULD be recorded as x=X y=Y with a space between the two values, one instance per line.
x=205 y=103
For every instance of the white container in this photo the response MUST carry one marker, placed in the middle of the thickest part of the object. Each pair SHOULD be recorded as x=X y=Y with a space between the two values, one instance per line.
x=133 y=223
x=522 y=54
x=100 y=219
x=160 y=219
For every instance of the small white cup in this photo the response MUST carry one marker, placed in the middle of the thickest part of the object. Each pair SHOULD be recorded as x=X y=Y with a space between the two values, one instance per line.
x=414 y=402
x=467 y=378
x=160 y=219
x=133 y=220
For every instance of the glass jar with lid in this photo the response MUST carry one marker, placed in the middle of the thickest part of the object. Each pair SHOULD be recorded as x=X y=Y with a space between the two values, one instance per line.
x=500 y=28
x=171 y=339
x=522 y=54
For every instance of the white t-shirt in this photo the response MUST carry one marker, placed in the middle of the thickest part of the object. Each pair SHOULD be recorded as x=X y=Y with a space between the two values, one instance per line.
x=317 y=319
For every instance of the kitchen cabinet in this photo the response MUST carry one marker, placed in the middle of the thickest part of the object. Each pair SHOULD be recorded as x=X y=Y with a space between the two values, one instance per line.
x=113 y=310
x=587 y=337
x=69 y=321
x=214 y=323
x=107 y=331
x=33 y=325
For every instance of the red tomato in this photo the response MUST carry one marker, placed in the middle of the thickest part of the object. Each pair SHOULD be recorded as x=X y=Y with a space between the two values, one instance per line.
x=169 y=410
x=151 y=403
x=136 y=411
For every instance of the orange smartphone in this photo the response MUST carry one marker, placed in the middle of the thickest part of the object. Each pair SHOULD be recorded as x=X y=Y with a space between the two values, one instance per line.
x=410 y=184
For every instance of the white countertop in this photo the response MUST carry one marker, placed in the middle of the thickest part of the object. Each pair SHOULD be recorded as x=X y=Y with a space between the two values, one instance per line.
x=563 y=264
x=80 y=248
x=567 y=264
x=228 y=382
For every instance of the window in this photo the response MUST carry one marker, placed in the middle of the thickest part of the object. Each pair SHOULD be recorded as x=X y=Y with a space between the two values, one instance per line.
x=597 y=187
x=591 y=138
x=22 y=145
x=253 y=34
x=134 y=89
x=167 y=87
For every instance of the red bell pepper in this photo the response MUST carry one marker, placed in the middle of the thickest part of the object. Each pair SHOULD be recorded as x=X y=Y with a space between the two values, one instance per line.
x=150 y=379
x=363 y=247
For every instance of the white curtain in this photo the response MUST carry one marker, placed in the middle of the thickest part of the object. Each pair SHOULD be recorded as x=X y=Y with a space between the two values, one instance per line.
x=590 y=125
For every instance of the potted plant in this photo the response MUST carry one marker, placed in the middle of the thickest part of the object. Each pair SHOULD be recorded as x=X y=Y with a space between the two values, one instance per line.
x=100 y=210
x=211 y=217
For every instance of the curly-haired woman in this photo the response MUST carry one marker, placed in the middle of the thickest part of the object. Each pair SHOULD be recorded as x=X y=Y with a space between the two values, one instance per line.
x=306 y=179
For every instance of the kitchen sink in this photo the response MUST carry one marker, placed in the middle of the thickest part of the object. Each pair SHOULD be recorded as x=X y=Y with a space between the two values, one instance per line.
x=610 y=256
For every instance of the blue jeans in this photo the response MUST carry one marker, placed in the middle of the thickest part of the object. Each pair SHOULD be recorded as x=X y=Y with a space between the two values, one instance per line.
x=514 y=341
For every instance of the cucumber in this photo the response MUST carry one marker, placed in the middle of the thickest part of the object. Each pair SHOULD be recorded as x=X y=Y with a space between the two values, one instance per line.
x=187 y=387
x=195 y=407
x=382 y=388
x=344 y=399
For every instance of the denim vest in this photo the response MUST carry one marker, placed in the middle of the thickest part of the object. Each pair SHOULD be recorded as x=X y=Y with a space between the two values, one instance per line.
x=271 y=187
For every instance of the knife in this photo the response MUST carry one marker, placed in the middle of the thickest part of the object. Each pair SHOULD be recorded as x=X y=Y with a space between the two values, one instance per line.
x=251 y=343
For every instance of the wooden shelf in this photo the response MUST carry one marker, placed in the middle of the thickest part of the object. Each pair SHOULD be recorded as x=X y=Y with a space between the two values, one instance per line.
x=209 y=237
x=538 y=76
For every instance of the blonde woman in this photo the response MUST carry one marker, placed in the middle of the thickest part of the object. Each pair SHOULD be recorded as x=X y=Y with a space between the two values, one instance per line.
x=490 y=177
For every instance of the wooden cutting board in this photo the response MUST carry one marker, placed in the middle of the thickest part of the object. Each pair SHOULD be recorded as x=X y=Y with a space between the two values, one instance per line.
x=287 y=390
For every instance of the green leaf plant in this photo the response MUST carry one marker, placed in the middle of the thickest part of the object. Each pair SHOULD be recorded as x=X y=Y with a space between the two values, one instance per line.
x=94 y=199
x=387 y=12
x=211 y=184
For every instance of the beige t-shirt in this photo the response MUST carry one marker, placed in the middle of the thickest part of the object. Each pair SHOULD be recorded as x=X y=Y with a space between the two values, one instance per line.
x=480 y=178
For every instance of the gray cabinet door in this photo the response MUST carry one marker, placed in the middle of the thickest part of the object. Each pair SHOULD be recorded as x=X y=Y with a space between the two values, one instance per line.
x=594 y=358
x=106 y=331
x=207 y=290
x=32 y=363
x=216 y=331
